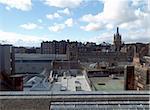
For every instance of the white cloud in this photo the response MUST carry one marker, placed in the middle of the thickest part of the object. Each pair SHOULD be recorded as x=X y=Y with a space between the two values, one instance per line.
x=69 y=22
x=103 y=37
x=20 y=39
x=7 y=8
x=141 y=23
x=92 y=27
x=53 y=16
x=137 y=36
x=63 y=3
x=116 y=12
x=23 y=5
x=56 y=27
x=58 y=14
x=30 y=26
x=109 y=26
x=91 y=18
x=131 y=16
x=65 y=11
x=130 y=37
x=40 y=20
x=137 y=3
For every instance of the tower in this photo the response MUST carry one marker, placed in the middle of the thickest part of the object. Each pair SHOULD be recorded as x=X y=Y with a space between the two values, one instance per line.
x=149 y=49
x=117 y=40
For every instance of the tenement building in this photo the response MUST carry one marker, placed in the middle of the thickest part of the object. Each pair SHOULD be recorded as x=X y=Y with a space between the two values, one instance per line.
x=141 y=48
x=94 y=53
x=107 y=55
x=72 y=51
x=111 y=57
x=22 y=50
x=53 y=47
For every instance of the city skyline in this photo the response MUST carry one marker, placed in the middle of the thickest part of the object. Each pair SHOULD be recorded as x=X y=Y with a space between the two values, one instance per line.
x=28 y=23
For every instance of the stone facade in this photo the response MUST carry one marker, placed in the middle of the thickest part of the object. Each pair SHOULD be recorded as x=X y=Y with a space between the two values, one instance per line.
x=72 y=51
x=137 y=78
x=54 y=47
x=142 y=78
x=111 y=57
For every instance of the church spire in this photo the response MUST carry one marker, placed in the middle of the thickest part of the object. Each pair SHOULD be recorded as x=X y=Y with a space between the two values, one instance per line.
x=117 y=30
x=117 y=40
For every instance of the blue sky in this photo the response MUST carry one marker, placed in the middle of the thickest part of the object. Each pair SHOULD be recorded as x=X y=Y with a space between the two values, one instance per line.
x=28 y=22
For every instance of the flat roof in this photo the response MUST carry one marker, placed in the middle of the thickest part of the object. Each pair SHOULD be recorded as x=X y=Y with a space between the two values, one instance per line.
x=71 y=82
x=107 y=83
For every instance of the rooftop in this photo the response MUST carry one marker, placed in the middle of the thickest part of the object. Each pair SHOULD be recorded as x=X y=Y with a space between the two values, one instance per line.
x=108 y=83
x=70 y=83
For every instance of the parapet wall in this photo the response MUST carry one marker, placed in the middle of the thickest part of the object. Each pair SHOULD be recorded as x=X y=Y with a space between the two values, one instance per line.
x=43 y=100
